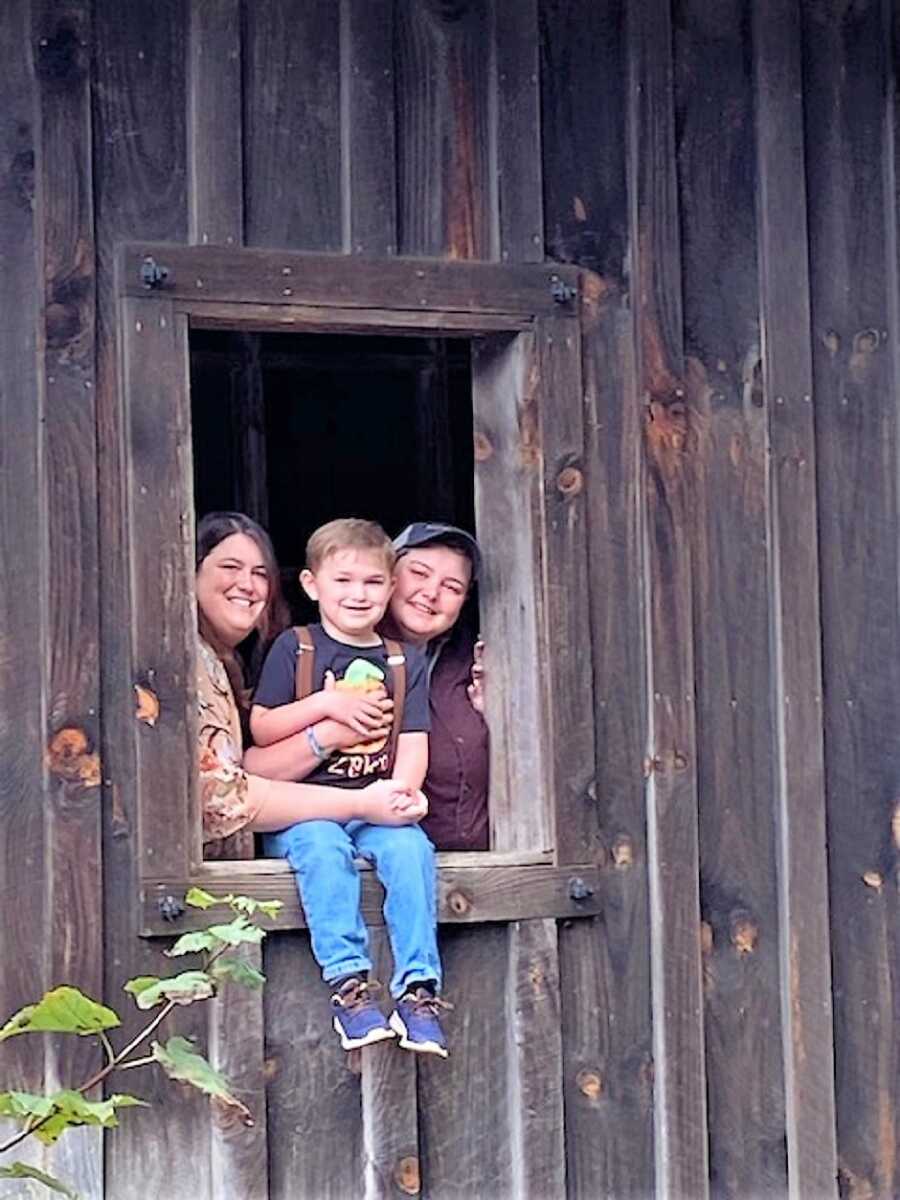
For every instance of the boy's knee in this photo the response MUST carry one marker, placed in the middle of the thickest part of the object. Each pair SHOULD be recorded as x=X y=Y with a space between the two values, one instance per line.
x=409 y=842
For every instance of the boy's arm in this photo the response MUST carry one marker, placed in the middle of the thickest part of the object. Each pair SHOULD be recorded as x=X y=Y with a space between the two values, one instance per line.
x=270 y=725
x=411 y=760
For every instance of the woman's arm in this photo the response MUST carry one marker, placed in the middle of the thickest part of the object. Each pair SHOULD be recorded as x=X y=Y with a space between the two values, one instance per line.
x=278 y=804
x=363 y=714
x=270 y=725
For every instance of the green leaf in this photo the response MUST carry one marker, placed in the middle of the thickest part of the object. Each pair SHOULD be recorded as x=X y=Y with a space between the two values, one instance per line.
x=271 y=908
x=197 y=898
x=70 y=1109
x=183 y=989
x=62 y=1010
x=180 y=1061
x=191 y=943
x=246 y=904
x=235 y=970
x=18 y=1170
x=237 y=932
x=22 y=1105
x=139 y=984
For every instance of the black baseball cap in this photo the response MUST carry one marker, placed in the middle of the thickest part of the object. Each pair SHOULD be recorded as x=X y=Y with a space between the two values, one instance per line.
x=423 y=533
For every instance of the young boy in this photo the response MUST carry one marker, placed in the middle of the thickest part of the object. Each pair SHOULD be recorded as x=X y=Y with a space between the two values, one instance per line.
x=349 y=566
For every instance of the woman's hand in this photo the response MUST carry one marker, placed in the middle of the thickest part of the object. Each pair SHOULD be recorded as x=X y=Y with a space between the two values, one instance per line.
x=389 y=802
x=475 y=690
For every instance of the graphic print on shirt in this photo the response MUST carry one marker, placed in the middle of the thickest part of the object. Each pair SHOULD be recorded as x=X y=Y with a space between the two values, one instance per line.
x=369 y=757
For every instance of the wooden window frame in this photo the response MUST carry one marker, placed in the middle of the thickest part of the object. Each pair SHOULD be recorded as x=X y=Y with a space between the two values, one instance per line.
x=527 y=401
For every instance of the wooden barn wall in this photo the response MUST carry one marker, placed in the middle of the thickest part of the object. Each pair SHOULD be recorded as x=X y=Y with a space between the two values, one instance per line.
x=725 y=172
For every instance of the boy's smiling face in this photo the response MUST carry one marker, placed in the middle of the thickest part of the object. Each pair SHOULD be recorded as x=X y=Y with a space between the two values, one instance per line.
x=352 y=588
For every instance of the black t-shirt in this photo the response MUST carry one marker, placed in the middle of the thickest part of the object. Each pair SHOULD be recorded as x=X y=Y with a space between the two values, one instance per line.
x=355 y=668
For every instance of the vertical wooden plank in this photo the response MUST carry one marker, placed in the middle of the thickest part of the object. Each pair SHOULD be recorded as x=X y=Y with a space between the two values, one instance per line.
x=140 y=170
x=852 y=213
x=434 y=438
x=534 y=1057
x=368 y=137
x=445 y=133
x=314 y=1105
x=584 y=89
x=67 y=475
x=672 y=823
x=519 y=183
x=807 y=1031
x=389 y=1105
x=739 y=894
x=565 y=587
x=292 y=125
x=463 y=1102
x=23 y=624
x=248 y=416
x=214 y=132
x=508 y=463
x=605 y=965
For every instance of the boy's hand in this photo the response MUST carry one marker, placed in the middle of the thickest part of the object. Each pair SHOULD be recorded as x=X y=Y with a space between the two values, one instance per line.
x=367 y=715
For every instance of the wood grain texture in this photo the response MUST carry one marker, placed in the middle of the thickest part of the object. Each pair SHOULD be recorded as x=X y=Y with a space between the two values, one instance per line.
x=463 y=1101
x=466 y=895
x=566 y=589
x=584 y=89
x=852 y=202
x=519 y=176
x=672 y=827
x=61 y=35
x=368 y=142
x=140 y=169
x=807 y=1030
x=214 y=128
x=292 y=133
x=314 y=1091
x=534 y=1061
x=446 y=203
x=605 y=965
x=728 y=454
x=24 y=852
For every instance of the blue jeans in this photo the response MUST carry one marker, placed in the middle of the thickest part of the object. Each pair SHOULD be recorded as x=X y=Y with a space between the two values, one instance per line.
x=321 y=855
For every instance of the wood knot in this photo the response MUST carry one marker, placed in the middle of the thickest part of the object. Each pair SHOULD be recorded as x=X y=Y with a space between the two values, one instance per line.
x=666 y=429
x=622 y=852
x=71 y=757
x=569 y=481
x=407 y=1175
x=831 y=341
x=589 y=1084
x=459 y=903
x=873 y=879
x=895 y=826
x=147 y=705
x=482 y=446
x=744 y=933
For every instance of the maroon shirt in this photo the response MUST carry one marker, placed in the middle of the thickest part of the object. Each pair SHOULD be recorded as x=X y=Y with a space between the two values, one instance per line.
x=457 y=781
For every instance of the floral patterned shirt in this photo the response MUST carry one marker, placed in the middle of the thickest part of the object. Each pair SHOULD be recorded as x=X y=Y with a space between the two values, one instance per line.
x=224 y=787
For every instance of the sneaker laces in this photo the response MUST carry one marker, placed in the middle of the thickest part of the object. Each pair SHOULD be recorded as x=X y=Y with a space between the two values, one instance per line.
x=424 y=1002
x=355 y=993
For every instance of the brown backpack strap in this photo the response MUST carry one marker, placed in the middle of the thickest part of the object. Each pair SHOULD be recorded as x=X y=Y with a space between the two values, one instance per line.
x=306 y=658
x=397 y=663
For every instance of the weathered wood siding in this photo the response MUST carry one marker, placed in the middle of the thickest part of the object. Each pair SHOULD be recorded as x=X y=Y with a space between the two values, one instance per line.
x=726 y=173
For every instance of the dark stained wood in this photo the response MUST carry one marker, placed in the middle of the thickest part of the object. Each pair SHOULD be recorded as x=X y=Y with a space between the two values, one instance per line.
x=23 y=635
x=292 y=113
x=672 y=835
x=534 y=1057
x=214 y=128
x=389 y=1107
x=463 y=1101
x=248 y=417
x=794 y=600
x=314 y=1095
x=434 y=439
x=565 y=587
x=61 y=35
x=466 y=895
x=446 y=181
x=519 y=185
x=584 y=90
x=852 y=206
x=728 y=451
x=306 y=319
x=213 y=273
x=140 y=171
x=605 y=966
x=506 y=400
x=368 y=128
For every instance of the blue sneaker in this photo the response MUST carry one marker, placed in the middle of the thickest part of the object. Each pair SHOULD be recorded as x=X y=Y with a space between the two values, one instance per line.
x=415 y=1019
x=358 y=1021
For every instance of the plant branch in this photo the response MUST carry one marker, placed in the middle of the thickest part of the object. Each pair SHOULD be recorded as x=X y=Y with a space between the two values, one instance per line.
x=146 y=1061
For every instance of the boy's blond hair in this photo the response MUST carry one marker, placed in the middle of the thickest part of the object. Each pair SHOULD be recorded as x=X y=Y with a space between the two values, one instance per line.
x=348 y=533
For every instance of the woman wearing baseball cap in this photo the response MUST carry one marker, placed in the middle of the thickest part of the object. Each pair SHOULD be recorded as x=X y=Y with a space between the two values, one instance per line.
x=437 y=565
